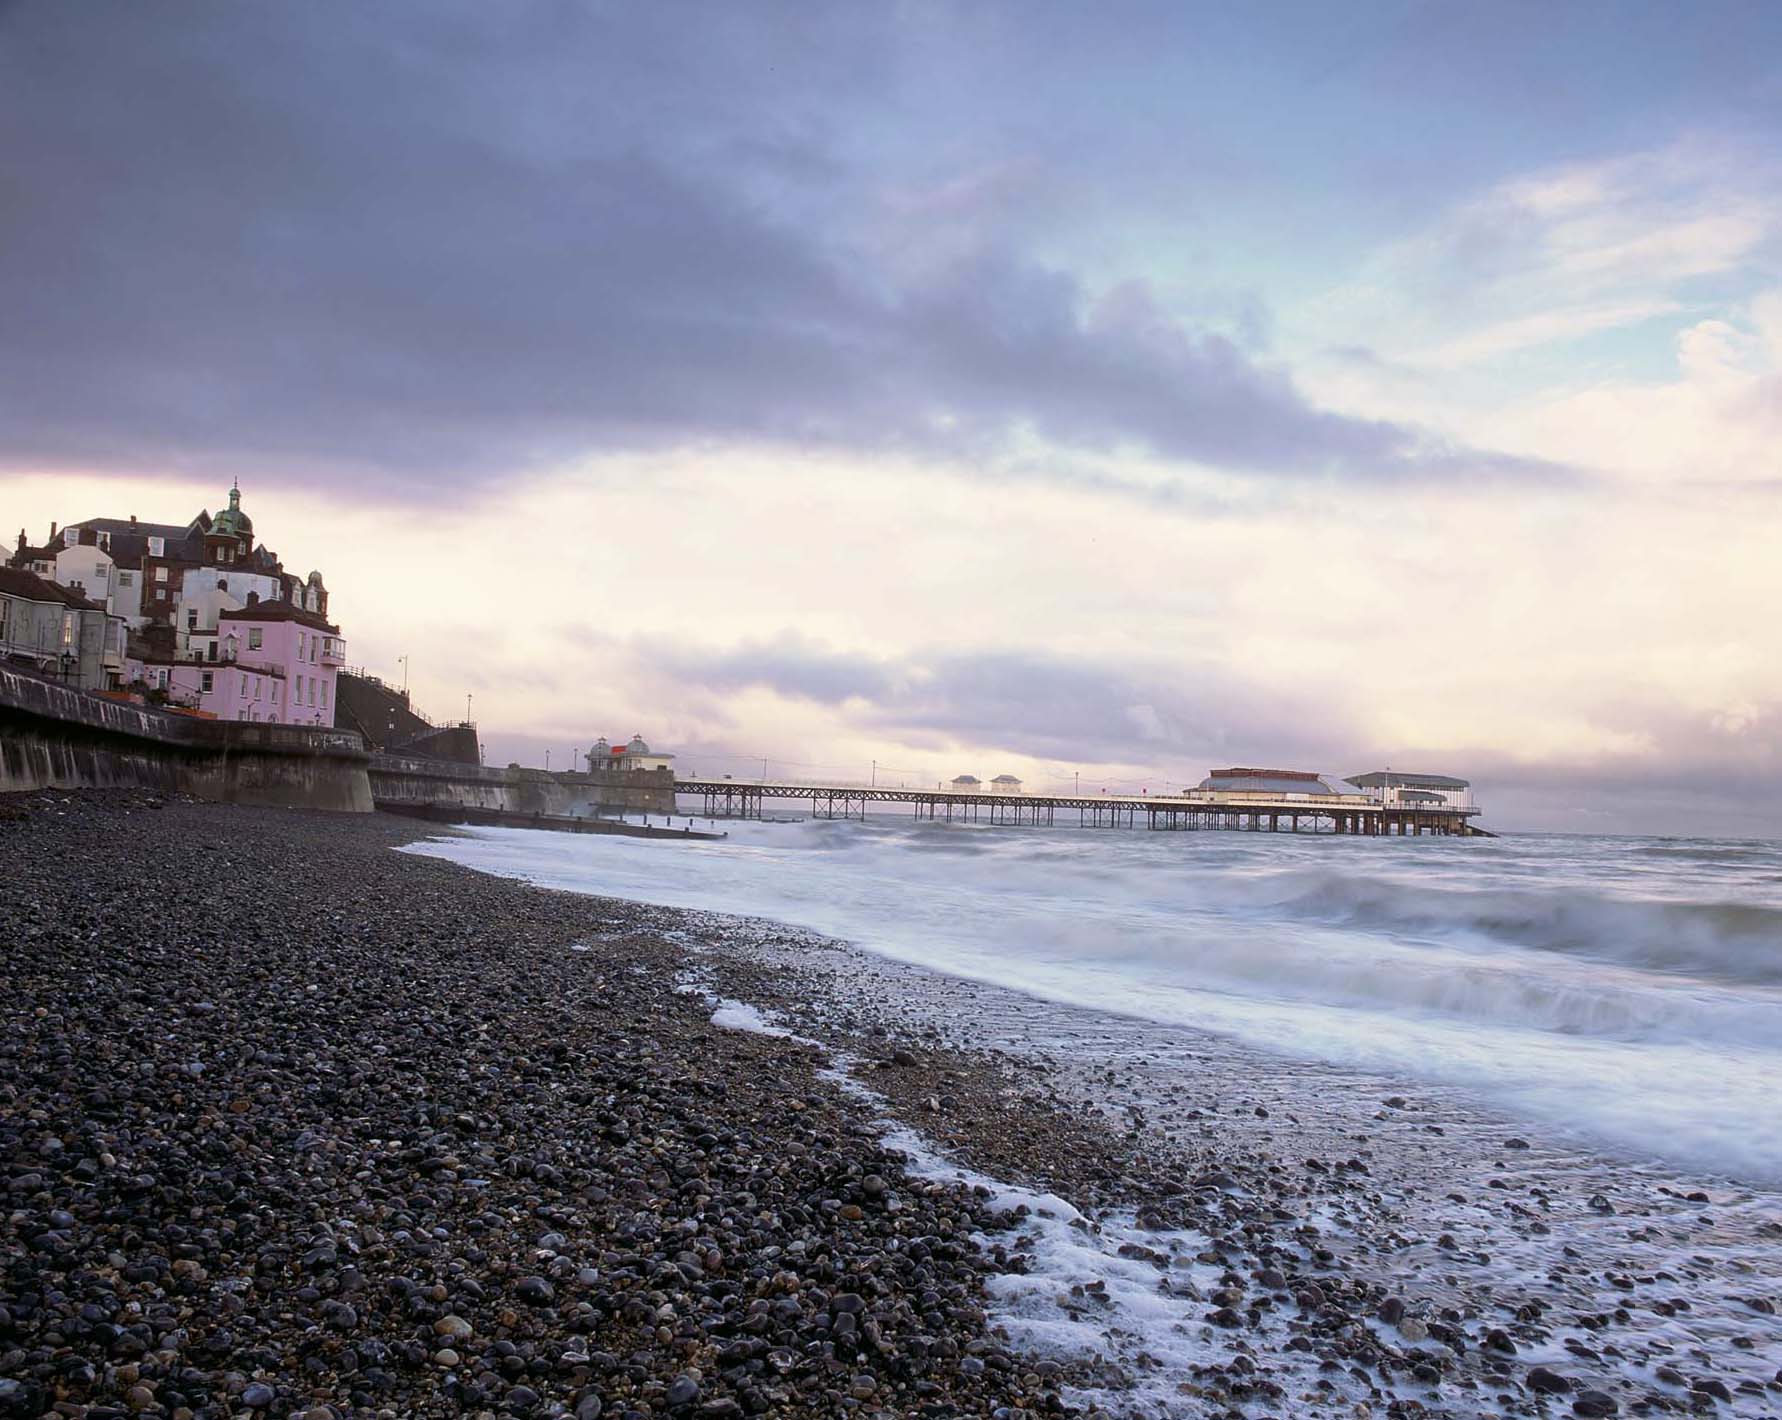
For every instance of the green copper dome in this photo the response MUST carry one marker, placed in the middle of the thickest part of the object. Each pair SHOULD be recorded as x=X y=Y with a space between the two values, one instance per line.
x=232 y=521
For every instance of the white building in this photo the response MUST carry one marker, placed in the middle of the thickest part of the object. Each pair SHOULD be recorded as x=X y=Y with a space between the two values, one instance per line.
x=1005 y=784
x=1392 y=786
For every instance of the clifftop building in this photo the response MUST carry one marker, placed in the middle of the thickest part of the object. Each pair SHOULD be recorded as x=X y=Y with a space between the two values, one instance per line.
x=58 y=632
x=197 y=597
x=178 y=574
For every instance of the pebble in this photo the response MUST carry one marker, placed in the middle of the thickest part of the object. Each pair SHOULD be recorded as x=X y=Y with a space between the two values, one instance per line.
x=278 y=1101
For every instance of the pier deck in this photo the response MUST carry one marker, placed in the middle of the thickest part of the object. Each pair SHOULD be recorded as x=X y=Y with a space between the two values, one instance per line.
x=1257 y=812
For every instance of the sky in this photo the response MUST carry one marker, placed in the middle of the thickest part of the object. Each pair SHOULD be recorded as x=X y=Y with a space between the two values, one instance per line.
x=1090 y=393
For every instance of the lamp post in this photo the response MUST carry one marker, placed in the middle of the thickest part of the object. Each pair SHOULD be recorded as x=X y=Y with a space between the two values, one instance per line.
x=404 y=660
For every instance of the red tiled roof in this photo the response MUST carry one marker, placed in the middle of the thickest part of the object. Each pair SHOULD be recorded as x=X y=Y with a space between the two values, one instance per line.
x=279 y=611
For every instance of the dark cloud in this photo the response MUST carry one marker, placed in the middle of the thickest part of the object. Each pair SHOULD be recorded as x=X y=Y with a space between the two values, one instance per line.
x=437 y=244
x=790 y=665
x=1073 y=709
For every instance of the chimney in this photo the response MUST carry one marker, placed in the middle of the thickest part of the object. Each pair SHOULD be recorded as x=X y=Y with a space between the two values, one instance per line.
x=253 y=599
x=132 y=520
x=52 y=536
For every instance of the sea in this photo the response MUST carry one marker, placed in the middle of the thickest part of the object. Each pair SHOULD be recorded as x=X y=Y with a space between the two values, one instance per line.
x=1615 y=1001
x=1625 y=989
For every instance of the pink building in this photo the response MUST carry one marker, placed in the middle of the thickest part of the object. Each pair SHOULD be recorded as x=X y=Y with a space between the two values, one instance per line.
x=275 y=663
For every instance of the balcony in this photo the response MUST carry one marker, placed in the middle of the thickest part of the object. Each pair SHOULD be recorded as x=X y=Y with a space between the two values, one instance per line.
x=333 y=651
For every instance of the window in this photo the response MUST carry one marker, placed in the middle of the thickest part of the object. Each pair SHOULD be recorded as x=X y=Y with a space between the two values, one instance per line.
x=4 y=605
x=253 y=638
x=191 y=621
x=67 y=628
x=211 y=651
x=207 y=681
x=125 y=578
x=244 y=687
x=324 y=695
x=312 y=690
x=160 y=574
x=301 y=643
x=257 y=687
x=158 y=548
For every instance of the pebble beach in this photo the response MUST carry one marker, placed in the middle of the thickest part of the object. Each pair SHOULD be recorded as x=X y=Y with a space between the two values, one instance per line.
x=295 y=1124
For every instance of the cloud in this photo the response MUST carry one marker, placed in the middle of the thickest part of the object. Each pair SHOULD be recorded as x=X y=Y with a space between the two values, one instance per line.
x=1548 y=258
x=1653 y=763
x=1717 y=420
x=1714 y=773
x=790 y=665
x=1017 y=700
x=447 y=246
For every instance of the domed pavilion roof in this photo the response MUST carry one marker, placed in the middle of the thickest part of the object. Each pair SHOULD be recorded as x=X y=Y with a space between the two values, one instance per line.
x=232 y=522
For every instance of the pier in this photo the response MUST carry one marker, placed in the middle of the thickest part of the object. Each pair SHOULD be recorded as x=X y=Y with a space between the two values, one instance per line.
x=1196 y=809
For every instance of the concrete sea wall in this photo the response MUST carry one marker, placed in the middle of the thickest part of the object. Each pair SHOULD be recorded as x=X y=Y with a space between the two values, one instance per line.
x=400 y=781
x=54 y=737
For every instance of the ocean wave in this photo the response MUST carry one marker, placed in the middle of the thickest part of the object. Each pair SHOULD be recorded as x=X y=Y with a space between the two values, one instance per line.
x=1733 y=942
x=1532 y=972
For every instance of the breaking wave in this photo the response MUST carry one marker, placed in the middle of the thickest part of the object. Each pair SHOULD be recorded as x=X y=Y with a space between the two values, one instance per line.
x=1630 y=990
